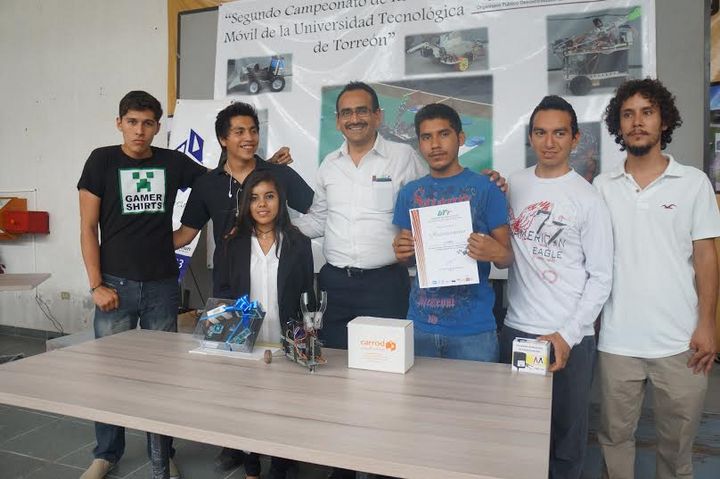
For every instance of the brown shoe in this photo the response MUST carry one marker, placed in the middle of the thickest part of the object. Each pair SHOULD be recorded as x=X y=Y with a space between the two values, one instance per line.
x=174 y=472
x=98 y=469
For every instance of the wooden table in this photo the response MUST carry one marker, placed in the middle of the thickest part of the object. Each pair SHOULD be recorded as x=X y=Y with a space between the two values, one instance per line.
x=443 y=419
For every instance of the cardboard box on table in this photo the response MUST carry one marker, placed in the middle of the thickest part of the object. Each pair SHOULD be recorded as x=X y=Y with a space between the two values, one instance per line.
x=381 y=344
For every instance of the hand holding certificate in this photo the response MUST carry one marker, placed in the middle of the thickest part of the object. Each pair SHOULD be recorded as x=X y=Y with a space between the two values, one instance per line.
x=441 y=241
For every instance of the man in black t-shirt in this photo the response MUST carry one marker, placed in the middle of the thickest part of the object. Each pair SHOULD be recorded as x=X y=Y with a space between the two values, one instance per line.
x=128 y=191
x=216 y=195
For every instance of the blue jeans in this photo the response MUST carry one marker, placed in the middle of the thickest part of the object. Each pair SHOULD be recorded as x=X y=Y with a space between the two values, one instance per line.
x=152 y=304
x=475 y=347
x=570 y=402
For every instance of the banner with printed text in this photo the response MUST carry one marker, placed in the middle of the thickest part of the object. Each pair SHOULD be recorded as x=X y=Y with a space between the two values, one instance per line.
x=492 y=60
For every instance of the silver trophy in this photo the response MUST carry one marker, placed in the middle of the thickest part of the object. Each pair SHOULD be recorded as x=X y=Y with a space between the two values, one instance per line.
x=312 y=320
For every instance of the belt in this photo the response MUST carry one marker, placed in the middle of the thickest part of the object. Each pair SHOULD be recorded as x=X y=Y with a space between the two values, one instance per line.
x=360 y=272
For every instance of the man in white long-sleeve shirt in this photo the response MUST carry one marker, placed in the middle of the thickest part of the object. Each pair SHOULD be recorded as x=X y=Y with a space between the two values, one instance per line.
x=562 y=274
x=355 y=193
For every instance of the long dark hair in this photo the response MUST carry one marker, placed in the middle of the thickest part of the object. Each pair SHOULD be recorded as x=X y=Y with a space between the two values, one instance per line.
x=244 y=222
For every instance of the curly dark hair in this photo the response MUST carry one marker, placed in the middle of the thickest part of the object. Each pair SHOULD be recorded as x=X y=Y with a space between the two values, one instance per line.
x=659 y=96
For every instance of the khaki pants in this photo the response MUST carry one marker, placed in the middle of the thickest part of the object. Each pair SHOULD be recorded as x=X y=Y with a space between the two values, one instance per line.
x=678 y=400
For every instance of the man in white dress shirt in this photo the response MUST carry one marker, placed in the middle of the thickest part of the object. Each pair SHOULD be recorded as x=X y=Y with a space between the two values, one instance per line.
x=355 y=193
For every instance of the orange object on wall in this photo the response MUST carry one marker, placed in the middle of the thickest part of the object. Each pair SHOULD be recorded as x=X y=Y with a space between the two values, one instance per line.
x=15 y=219
x=21 y=222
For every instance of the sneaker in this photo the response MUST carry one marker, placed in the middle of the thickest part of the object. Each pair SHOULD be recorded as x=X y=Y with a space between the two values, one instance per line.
x=229 y=459
x=174 y=472
x=98 y=469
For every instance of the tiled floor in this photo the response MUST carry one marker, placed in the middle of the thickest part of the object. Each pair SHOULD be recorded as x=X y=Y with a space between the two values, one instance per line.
x=36 y=445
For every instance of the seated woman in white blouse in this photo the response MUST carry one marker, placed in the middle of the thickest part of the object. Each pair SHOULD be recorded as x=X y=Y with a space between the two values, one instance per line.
x=266 y=257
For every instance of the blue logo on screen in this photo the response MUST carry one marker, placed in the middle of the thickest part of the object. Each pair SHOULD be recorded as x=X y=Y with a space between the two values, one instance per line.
x=193 y=146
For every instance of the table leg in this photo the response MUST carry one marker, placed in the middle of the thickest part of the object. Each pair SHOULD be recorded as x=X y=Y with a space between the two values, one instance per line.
x=159 y=456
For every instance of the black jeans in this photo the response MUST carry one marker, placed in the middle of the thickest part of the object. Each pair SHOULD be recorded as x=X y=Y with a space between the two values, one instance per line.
x=278 y=465
x=381 y=292
x=570 y=402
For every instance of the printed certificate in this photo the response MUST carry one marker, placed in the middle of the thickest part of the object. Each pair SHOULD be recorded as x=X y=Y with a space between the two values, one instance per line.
x=441 y=237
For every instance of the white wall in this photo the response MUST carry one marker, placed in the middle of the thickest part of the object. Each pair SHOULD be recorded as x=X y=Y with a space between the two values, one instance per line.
x=66 y=64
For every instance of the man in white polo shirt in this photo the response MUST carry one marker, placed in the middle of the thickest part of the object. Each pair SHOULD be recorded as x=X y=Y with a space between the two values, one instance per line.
x=659 y=322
